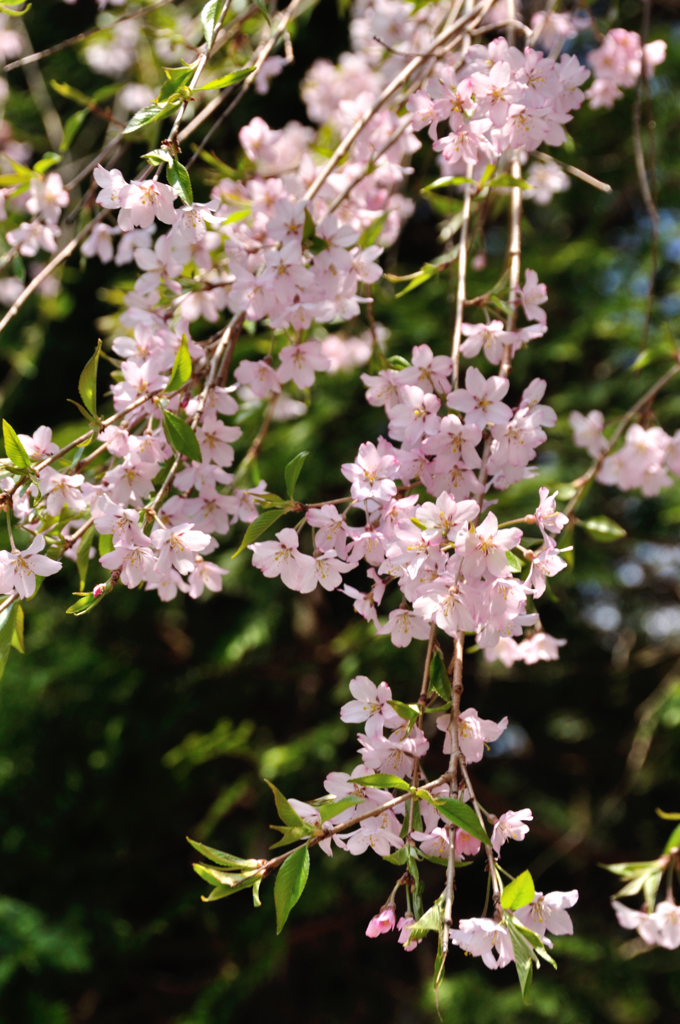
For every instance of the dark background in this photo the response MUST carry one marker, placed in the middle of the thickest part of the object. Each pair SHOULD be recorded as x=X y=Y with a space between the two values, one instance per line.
x=123 y=731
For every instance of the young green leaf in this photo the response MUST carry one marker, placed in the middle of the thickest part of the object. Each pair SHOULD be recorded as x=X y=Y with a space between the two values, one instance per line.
x=291 y=880
x=147 y=115
x=439 y=677
x=603 y=529
x=292 y=472
x=104 y=544
x=382 y=781
x=409 y=712
x=175 y=79
x=14 y=449
x=329 y=810
x=87 y=383
x=286 y=813
x=181 y=437
x=225 y=859
x=524 y=960
x=233 y=78
x=178 y=177
x=182 y=367
x=519 y=892
x=258 y=527
x=291 y=835
x=211 y=20
x=507 y=181
x=462 y=815
x=43 y=165
x=72 y=126
x=515 y=563
x=83 y=555
x=84 y=605
x=371 y=234
x=220 y=891
x=673 y=840
x=156 y=157
x=667 y=815
x=430 y=921
x=8 y=620
x=18 y=634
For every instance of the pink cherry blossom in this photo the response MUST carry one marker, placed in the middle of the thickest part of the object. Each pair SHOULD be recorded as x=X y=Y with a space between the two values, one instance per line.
x=510 y=826
x=382 y=923
x=549 y=913
x=481 y=399
x=473 y=733
x=479 y=936
x=18 y=569
x=281 y=557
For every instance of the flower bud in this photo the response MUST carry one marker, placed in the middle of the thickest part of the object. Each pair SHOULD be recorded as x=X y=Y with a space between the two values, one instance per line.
x=382 y=922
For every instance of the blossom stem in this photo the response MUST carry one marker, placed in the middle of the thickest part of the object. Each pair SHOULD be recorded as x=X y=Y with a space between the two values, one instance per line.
x=461 y=287
x=456 y=763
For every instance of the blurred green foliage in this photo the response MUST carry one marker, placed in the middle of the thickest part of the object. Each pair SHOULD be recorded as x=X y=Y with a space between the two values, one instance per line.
x=123 y=731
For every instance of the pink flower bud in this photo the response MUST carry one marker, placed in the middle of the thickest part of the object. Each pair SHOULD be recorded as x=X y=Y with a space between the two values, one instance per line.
x=99 y=590
x=382 y=922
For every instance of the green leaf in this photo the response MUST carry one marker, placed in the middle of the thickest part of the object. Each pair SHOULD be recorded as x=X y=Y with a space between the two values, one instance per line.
x=175 y=79
x=84 y=605
x=518 y=893
x=409 y=712
x=447 y=181
x=154 y=112
x=515 y=563
x=156 y=157
x=87 y=383
x=291 y=880
x=371 y=234
x=667 y=815
x=82 y=410
x=48 y=160
x=262 y=7
x=291 y=835
x=329 y=810
x=211 y=874
x=181 y=437
x=427 y=271
x=211 y=20
x=523 y=960
x=286 y=813
x=105 y=544
x=18 y=634
x=257 y=902
x=220 y=891
x=382 y=781
x=233 y=78
x=603 y=529
x=225 y=859
x=462 y=815
x=72 y=126
x=673 y=839
x=83 y=556
x=182 y=367
x=507 y=181
x=439 y=677
x=292 y=472
x=14 y=449
x=6 y=8
x=8 y=620
x=178 y=177
x=258 y=527
x=430 y=921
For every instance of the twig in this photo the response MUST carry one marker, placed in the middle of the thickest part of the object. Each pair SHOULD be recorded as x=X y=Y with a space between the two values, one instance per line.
x=451 y=36
x=456 y=763
x=576 y=172
x=33 y=57
x=461 y=286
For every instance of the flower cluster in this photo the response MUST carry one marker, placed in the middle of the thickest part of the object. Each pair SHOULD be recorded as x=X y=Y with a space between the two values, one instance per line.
x=500 y=99
x=617 y=64
x=660 y=928
x=645 y=460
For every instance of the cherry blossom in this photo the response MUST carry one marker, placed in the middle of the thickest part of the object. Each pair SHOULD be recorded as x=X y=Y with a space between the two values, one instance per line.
x=18 y=569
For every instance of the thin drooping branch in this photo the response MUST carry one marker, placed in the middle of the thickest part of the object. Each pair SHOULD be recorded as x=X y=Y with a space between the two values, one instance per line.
x=455 y=764
x=461 y=285
x=64 y=45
